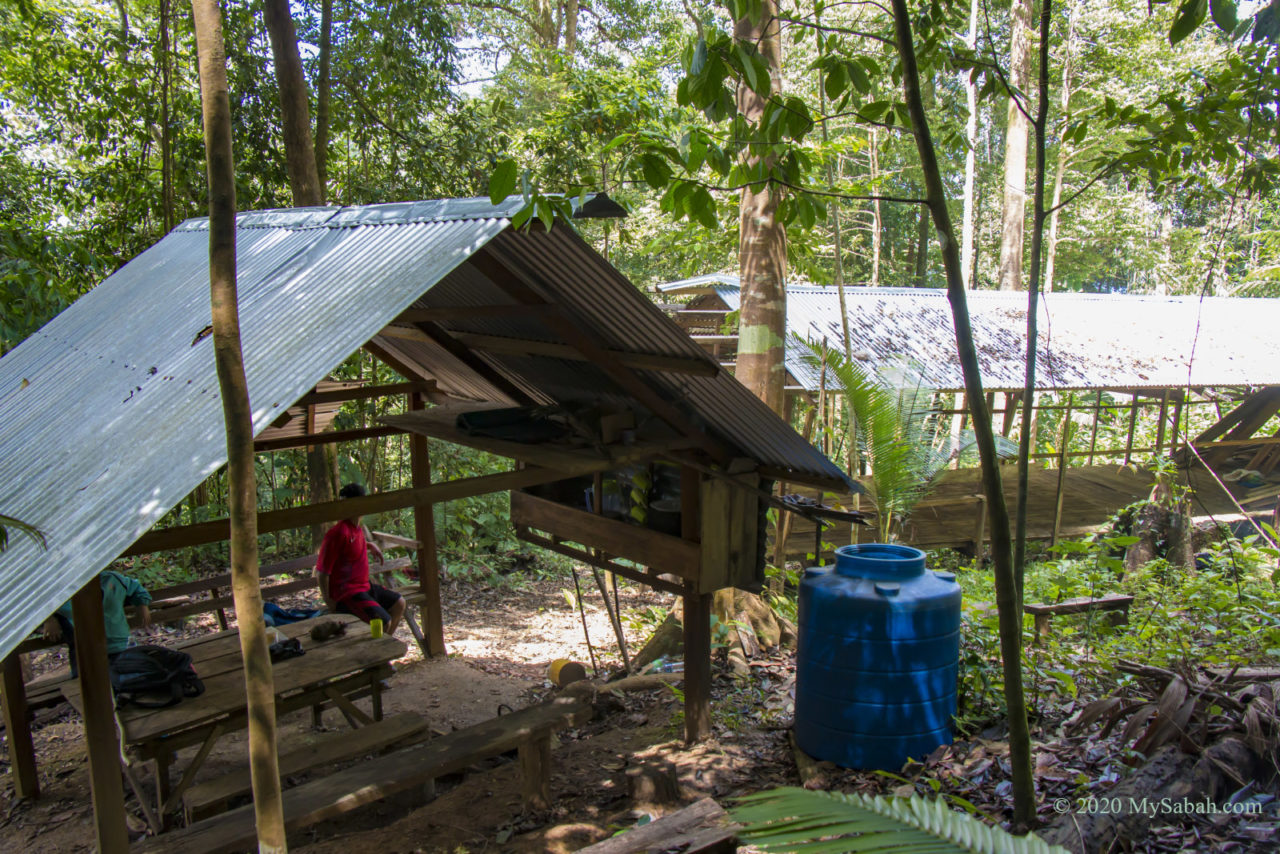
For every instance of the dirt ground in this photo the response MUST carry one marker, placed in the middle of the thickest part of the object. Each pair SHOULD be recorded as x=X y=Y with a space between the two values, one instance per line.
x=500 y=641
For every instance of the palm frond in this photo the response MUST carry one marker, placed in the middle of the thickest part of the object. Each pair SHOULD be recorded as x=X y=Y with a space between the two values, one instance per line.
x=7 y=522
x=800 y=820
x=890 y=427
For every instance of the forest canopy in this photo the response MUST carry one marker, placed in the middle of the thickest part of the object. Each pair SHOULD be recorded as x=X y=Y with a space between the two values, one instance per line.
x=1161 y=142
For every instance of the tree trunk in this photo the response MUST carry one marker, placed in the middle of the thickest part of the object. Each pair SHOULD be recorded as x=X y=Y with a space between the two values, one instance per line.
x=570 y=30
x=1010 y=614
x=922 y=248
x=166 y=131
x=1033 y=293
x=838 y=274
x=762 y=247
x=1067 y=68
x=300 y=157
x=1015 y=154
x=971 y=156
x=323 y=86
x=259 y=687
x=303 y=165
x=876 y=222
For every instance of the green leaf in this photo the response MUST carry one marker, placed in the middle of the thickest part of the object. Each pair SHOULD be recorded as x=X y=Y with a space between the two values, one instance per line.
x=791 y=819
x=502 y=182
x=1190 y=15
x=748 y=67
x=655 y=170
x=836 y=81
x=699 y=61
x=1224 y=15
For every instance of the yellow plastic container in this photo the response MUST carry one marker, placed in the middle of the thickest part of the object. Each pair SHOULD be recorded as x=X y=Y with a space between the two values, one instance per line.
x=375 y=627
x=564 y=672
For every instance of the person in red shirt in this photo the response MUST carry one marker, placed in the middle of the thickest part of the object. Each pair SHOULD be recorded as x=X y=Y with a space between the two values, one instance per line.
x=342 y=570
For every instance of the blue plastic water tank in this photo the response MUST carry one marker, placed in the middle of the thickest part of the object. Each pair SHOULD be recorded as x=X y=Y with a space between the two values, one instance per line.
x=878 y=658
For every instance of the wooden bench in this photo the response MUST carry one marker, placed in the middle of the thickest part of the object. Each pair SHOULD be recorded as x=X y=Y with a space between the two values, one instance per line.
x=1115 y=602
x=700 y=828
x=212 y=796
x=528 y=731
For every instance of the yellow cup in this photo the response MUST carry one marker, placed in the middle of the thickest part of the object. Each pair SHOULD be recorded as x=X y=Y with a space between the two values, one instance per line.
x=375 y=627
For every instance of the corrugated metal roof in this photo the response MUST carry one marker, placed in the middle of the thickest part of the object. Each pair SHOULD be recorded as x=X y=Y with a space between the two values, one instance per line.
x=110 y=414
x=1085 y=340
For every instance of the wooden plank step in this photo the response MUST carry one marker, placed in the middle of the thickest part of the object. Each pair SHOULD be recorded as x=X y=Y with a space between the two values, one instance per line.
x=1110 y=602
x=375 y=779
x=700 y=828
x=208 y=798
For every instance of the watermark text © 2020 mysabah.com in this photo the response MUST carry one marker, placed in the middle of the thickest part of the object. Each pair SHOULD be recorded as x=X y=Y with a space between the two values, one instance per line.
x=1153 y=807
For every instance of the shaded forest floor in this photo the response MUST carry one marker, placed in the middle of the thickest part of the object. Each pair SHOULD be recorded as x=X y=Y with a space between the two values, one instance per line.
x=501 y=639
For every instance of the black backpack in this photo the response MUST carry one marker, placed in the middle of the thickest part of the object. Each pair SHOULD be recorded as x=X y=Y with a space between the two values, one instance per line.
x=153 y=677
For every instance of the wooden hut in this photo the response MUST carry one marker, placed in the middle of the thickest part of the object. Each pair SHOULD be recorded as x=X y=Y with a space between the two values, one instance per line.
x=111 y=416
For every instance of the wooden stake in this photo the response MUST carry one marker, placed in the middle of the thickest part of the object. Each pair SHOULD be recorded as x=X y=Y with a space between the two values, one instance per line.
x=697 y=665
x=424 y=531
x=22 y=752
x=1093 y=438
x=99 y=720
x=1133 y=423
x=1062 y=470
x=1164 y=412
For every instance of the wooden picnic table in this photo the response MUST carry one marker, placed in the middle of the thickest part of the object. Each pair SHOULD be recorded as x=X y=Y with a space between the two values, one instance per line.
x=332 y=671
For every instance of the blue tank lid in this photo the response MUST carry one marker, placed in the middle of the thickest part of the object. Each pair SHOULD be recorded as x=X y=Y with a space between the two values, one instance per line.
x=879 y=561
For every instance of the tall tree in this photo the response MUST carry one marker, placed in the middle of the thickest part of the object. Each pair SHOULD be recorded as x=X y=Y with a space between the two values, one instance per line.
x=1009 y=612
x=304 y=176
x=762 y=253
x=229 y=357
x=967 y=254
x=1013 y=219
x=299 y=151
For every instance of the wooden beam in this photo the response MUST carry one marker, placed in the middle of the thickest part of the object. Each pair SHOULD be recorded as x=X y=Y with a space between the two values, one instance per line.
x=328 y=437
x=99 y=720
x=518 y=288
x=366 y=392
x=424 y=529
x=461 y=312
x=444 y=339
x=1243 y=421
x=618 y=539
x=22 y=751
x=329 y=511
x=640 y=361
x=650 y=577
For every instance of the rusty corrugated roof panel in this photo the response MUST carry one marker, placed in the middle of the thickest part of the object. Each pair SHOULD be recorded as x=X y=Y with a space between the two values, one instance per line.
x=1086 y=341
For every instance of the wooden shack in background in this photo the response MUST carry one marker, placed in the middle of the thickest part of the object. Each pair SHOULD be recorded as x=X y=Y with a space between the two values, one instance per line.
x=1189 y=378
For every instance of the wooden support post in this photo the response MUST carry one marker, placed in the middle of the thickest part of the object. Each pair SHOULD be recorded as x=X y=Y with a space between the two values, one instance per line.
x=1011 y=402
x=1177 y=423
x=697 y=620
x=99 y=720
x=535 y=771
x=979 y=527
x=1062 y=471
x=697 y=665
x=424 y=531
x=22 y=752
x=1133 y=423
x=1097 y=412
x=1164 y=413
